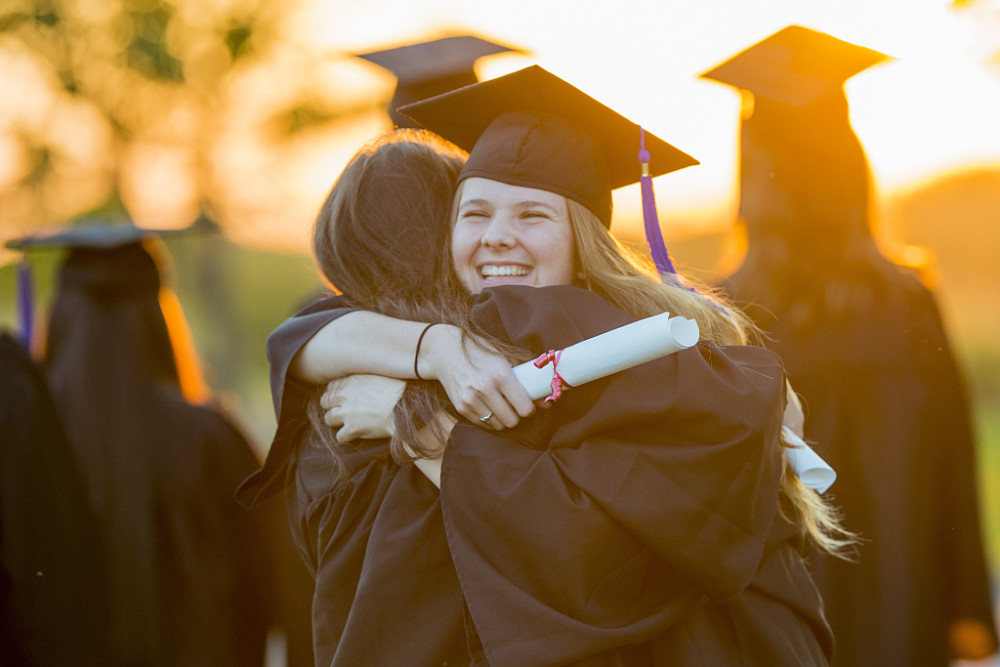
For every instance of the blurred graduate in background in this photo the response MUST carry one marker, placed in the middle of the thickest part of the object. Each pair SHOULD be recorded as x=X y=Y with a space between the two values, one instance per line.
x=426 y=69
x=191 y=574
x=54 y=602
x=864 y=344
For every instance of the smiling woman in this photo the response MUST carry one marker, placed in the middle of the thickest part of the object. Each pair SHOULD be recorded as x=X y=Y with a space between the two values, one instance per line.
x=687 y=549
x=511 y=235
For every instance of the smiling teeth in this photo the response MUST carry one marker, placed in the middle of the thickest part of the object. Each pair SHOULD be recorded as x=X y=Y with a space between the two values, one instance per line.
x=502 y=271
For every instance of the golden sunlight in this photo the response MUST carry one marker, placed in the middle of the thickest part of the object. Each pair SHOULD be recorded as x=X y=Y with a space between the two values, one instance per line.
x=925 y=113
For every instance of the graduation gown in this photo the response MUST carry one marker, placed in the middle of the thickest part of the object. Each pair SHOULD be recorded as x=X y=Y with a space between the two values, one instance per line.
x=54 y=603
x=887 y=407
x=632 y=523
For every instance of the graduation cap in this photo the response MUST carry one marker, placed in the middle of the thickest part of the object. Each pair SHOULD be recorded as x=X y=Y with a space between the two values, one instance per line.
x=427 y=69
x=93 y=236
x=795 y=66
x=83 y=237
x=532 y=129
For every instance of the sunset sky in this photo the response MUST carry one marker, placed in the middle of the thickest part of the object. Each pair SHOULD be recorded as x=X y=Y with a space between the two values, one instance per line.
x=931 y=110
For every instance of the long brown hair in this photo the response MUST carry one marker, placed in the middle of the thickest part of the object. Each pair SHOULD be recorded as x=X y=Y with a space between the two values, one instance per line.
x=382 y=237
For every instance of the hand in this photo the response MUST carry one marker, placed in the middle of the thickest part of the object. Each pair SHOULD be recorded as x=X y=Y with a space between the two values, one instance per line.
x=794 y=418
x=478 y=380
x=361 y=406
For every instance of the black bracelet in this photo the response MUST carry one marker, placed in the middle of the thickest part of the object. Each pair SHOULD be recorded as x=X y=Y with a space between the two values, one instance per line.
x=416 y=355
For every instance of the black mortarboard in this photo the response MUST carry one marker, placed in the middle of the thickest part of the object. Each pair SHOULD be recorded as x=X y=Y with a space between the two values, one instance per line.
x=427 y=69
x=85 y=236
x=93 y=236
x=795 y=66
x=531 y=128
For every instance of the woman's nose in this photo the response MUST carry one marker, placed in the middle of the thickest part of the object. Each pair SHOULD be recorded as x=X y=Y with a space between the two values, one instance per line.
x=499 y=233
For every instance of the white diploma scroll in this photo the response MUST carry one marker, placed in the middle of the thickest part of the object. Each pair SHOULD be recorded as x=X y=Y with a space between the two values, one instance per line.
x=610 y=352
x=810 y=466
x=628 y=346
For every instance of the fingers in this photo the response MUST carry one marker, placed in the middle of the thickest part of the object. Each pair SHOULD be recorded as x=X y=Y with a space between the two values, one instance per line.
x=343 y=431
x=333 y=418
x=480 y=383
x=330 y=399
x=516 y=395
x=491 y=407
x=335 y=421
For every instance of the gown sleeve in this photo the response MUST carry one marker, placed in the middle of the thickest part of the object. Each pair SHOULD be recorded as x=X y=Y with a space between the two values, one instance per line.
x=618 y=512
x=289 y=394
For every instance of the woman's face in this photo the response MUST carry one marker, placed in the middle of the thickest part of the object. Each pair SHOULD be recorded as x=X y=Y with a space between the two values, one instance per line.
x=511 y=235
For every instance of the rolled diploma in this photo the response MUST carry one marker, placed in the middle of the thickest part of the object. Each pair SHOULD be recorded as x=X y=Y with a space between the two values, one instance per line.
x=810 y=466
x=597 y=357
x=610 y=352
x=628 y=346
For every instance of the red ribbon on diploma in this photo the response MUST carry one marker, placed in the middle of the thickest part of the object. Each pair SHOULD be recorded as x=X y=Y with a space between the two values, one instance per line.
x=558 y=382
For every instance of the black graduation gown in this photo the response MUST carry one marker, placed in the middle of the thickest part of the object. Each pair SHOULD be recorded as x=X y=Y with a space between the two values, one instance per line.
x=54 y=602
x=633 y=523
x=888 y=409
x=211 y=562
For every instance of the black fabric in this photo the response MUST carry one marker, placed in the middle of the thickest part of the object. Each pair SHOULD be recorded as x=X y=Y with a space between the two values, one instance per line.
x=795 y=66
x=632 y=523
x=288 y=394
x=586 y=150
x=542 y=151
x=887 y=407
x=431 y=68
x=54 y=602
x=189 y=568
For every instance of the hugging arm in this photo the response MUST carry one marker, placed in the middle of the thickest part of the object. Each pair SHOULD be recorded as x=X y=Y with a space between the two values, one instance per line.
x=477 y=379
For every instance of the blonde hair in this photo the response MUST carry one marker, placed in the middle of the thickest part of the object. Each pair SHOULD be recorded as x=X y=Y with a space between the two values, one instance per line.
x=630 y=282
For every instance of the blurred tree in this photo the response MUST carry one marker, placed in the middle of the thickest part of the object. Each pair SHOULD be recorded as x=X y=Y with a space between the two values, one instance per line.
x=96 y=92
x=122 y=108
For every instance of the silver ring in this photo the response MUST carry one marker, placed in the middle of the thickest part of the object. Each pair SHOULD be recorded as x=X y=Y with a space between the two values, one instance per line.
x=487 y=418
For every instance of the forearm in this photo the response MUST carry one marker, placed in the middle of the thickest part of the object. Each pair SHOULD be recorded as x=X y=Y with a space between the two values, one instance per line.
x=359 y=342
x=478 y=380
x=432 y=438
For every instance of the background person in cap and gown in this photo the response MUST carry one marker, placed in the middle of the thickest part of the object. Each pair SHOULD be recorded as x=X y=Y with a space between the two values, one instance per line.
x=863 y=342
x=427 y=69
x=189 y=568
x=54 y=602
x=635 y=522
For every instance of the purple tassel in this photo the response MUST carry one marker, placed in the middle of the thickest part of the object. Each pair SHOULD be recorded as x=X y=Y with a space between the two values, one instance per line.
x=25 y=302
x=658 y=249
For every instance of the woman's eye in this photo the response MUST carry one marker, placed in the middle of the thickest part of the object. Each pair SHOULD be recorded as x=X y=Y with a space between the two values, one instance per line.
x=473 y=214
x=534 y=215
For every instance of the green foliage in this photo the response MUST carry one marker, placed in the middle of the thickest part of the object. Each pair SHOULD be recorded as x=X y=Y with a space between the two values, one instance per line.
x=238 y=39
x=299 y=118
x=147 y=53
x=988 y=429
